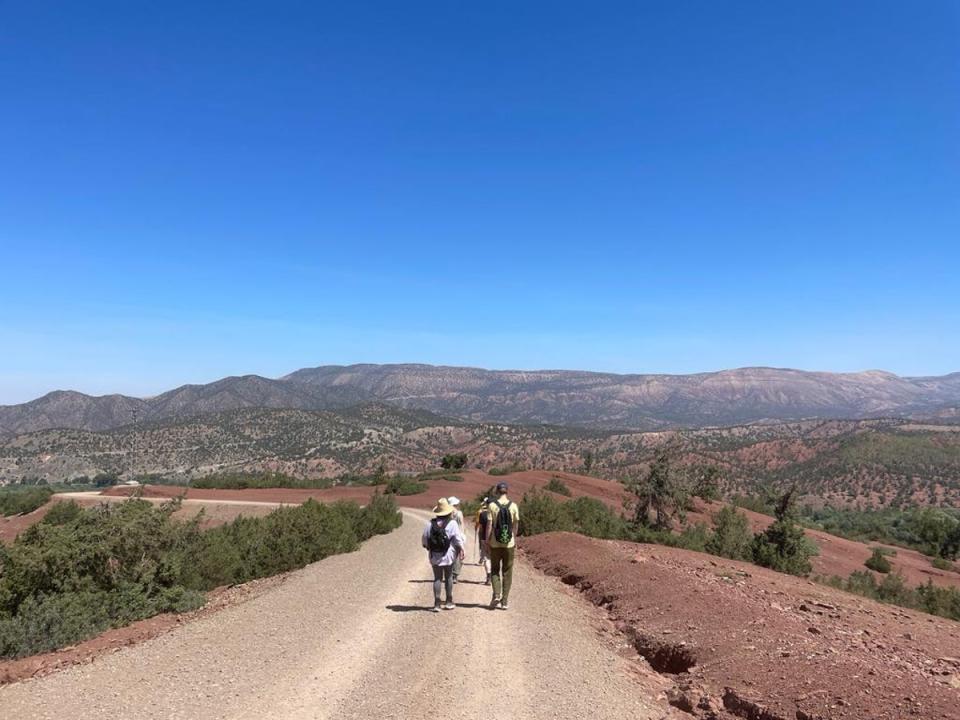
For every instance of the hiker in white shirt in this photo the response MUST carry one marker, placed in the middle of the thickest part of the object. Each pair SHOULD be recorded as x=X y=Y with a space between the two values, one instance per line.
x=444 y=544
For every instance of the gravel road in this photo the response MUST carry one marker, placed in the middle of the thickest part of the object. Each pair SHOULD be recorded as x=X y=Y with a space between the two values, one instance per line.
x=351 y=637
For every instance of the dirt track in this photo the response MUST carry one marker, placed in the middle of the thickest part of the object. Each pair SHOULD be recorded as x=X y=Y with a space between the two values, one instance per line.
x=349 y=637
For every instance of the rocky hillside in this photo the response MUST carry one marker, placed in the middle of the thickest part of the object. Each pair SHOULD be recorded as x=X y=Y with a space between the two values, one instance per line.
x=559 y=397
x=879 y=462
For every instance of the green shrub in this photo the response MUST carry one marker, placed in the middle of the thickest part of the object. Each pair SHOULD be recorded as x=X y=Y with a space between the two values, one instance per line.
x=783 y=547
x=398 y=485
x=106 y=479
x=507 y=470
x=540 y=513
x=939 y=600
x=943 y=601
x=591 y=517
x=18 y=502
x=558 y=486
x=942 y=564
x=378 y=517
x=62 y=513
x=84 y=571
x=695 y=537
x=731 y=536
x=862 y=583
x=287 y=538
x=893 y=589
x=877 y=562
x=453 y=461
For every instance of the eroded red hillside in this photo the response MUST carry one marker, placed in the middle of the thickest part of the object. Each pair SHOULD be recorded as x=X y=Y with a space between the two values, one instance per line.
x=741 y=641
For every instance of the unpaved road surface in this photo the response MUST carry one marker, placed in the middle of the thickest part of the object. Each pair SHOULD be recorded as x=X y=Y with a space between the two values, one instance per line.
x=352 y=637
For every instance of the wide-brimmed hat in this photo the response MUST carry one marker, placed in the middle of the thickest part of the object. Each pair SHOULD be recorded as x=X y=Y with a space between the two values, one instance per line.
x=453 y=500
x=443 y=508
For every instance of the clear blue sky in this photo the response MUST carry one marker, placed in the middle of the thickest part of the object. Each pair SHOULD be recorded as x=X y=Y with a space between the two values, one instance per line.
x=191 y=190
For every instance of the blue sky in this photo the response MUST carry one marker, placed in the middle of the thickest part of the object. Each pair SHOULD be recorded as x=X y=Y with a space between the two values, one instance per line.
x=191 y=190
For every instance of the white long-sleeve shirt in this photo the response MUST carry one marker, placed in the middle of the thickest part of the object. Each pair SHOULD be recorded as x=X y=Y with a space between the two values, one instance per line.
x=457 y=542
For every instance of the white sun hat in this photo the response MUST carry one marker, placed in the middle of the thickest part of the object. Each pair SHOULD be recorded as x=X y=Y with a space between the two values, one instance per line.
x=453 y=500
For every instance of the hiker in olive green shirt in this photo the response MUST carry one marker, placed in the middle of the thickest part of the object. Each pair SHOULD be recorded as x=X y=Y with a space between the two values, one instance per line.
x=501 y=541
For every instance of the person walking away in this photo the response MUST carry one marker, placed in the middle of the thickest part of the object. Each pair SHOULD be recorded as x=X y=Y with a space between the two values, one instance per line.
x=443 y=542
x=482 y=525
x=502 y=541
x=457 y=517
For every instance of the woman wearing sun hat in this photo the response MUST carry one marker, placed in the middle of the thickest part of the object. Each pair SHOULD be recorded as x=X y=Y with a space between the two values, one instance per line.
x=444 y=543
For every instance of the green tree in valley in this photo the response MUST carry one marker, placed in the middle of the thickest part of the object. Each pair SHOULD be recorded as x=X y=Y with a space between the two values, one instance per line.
x=783 y=546
x=454 y=461
x=658 y=497
x=707 y=483
x=731 y=536
x=950 y=547
x=588 y=458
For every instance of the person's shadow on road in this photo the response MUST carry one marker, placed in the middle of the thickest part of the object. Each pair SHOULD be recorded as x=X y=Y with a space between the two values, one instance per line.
x=429 y=608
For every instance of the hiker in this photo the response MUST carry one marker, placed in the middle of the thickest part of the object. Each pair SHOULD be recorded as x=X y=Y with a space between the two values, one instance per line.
x=457 y=517
x=502 y=541
x=444 y=542
x=482 y=521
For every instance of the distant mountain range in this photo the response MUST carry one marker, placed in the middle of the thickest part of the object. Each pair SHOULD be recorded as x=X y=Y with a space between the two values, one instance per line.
x=559 y=397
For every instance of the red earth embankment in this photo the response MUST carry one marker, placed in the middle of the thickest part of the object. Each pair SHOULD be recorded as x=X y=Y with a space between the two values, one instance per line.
x=746 y=642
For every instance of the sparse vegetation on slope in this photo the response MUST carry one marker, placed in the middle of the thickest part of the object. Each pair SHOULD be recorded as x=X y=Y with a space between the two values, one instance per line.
x=892 y=589
x=243 y=481
x=87 y=570
x=932 y=531
x=871 y=463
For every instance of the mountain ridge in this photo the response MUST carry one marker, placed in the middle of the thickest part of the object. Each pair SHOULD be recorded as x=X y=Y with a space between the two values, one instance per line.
x=636 y=401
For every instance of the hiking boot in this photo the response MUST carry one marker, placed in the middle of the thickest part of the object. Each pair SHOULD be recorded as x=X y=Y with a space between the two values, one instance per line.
x=503 y=605
x=436 y=608
x=494 y=602
x=449 y=606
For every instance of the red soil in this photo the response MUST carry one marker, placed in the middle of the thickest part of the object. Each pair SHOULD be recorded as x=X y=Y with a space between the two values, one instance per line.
x=742 y=641
x=12 y=526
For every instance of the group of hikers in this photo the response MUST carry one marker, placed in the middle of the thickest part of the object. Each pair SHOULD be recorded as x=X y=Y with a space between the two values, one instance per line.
x=444 y=538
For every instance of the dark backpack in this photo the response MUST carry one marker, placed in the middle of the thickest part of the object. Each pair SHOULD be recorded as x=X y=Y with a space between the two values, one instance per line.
x=503 y=524
x=438 y=541
x=484 y=521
